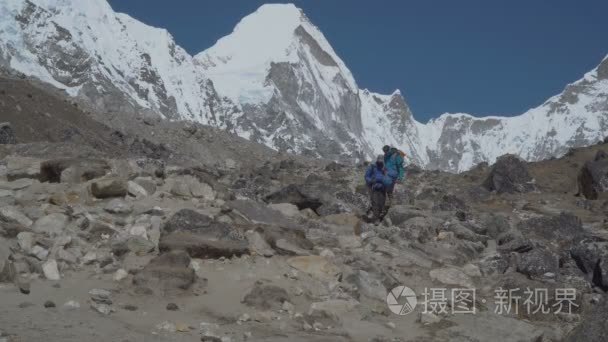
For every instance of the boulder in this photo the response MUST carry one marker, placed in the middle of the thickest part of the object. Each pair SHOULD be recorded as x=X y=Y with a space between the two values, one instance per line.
x=7 y=269
x=136 y=190
x=22 y=167
x=450 y=202
x=119 y=206
x=369 y=285
x=201 y=236
x=51 y=225
x=593 y=177
x=12 y=214
x=593 y=327
x=72 y=170
x=317 y=266
x=297 y=196
x=420 y=229
x=148 y=167
x=330 y=311
x=168 y=273
x=147 y=183
x=256 y=212
x=7 y=134
x=109 y=187
x=139 y=245
x=265 y=296
x=286 y=241
x=287 y=209
x=17 y=184
x=187 y=220
x=510 y=175
x=537 y=262
x=50 y=270
x=451 y=276
x=592 y=258
x=563 y=229
x=258 y=245
x=190 y=186
x=401 y=213
x=344 y=223
x=26 y=241
x=203 y=247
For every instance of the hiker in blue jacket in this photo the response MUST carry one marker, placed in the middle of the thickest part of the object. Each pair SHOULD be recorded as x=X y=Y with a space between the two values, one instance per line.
x=393 y=162
x=378 y=182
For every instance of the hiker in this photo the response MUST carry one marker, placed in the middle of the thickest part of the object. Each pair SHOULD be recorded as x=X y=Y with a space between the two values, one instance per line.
x=377 y=181
x=393 y=162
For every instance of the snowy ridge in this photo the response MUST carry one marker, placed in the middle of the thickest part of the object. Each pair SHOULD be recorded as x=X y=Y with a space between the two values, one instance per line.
x=275 y=80
x=269 y=36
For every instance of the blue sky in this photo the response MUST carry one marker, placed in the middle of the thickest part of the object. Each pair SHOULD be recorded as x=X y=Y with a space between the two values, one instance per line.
x=474 y=56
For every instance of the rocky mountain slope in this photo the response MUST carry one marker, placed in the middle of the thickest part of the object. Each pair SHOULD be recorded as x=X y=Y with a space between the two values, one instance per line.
x=101 y=239
x=280 y=84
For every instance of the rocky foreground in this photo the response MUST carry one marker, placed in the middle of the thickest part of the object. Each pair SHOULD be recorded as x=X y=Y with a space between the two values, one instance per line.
x=143 y=249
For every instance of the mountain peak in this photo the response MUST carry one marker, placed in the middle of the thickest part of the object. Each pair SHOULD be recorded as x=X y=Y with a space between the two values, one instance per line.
x=275 y=33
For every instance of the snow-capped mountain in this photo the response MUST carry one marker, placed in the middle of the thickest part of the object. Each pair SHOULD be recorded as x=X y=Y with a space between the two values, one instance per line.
x=275 y=80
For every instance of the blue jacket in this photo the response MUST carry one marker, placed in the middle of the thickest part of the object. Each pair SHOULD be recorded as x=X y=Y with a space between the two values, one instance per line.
x=394 y=164
x=375 y=175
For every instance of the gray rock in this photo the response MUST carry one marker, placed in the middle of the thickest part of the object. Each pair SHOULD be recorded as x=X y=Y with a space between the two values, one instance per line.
x=139 y=245
x=109 y=187
x=103 y=309
x=258 y=245
x=7 y=134
x=451 y=276
x=593 y=327
x=72 y=170
x=51 y=225
x=136 y=190
x=190 y=186
x=22 y=167
x=201 y=237
x=510 y=175
x=369 y=285
x=330 y=311
x=18 y=184
x=285 y=247
x=11 y=214
x=39 y=252
x=119 y=206
x=49 y=268
x=592 y=258
x=7 y=269
x=537 y=262
x=593 y=177
x=147 y=183
x=287 y=209
x=256 y=212
x=401 y=213
x=265 y=297
x=26 y=241
x=100 y=296
x=168 y=273
x=487 y=326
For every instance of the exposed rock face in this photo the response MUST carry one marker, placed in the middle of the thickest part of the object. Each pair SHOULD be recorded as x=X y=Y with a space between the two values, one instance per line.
x=593 y=177
x=509 y=175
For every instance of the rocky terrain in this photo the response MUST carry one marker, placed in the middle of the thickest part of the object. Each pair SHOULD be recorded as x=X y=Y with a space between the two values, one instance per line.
x=156 y=231
x=279 y=84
